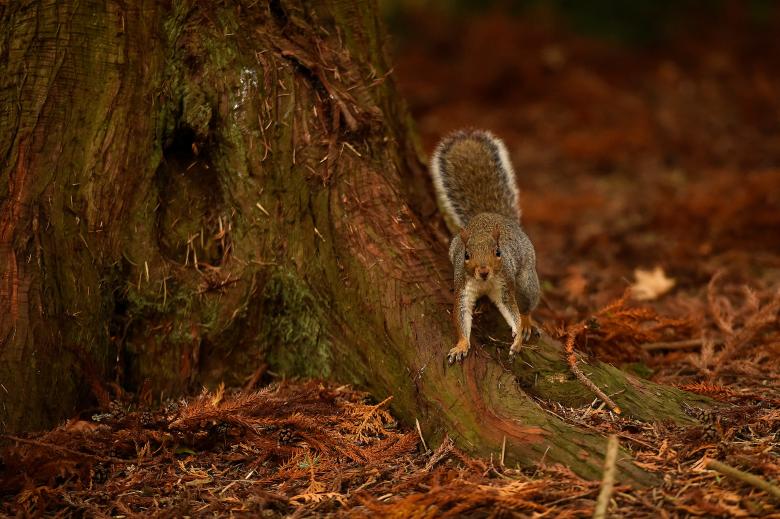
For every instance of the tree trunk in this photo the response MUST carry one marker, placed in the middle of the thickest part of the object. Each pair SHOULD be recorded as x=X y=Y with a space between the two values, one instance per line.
x=192 y=189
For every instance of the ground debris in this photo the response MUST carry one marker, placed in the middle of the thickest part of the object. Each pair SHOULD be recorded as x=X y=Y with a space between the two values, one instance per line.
x=305 y=448
x=312 y=449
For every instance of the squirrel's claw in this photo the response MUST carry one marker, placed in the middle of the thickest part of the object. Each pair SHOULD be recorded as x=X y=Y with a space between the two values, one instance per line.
x=527 y=328
x=528 y=335
x=459 y=352
x=452 y=358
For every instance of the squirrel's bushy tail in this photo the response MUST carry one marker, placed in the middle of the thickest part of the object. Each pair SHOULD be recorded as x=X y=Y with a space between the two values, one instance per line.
x=472 y=174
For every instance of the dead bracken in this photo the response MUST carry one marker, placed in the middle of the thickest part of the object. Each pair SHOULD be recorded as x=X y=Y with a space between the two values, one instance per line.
x=313 y=448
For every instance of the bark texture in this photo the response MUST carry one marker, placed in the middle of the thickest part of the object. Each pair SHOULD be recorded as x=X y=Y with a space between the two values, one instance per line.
x=192 y=189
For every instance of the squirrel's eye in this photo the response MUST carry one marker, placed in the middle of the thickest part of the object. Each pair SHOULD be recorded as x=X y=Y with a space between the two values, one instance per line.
x=466 y=256
x=498 y=252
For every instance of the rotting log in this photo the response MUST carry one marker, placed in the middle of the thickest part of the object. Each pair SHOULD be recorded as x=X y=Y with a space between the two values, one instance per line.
x=192 y=189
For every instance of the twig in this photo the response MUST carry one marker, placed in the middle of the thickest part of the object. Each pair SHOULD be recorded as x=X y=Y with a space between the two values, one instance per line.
x=745 y=477
x=608 y=480
x=571 y=358
x=503 y=450
x=419 y=431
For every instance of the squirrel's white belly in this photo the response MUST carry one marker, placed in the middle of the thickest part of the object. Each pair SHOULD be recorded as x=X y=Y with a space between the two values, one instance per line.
x=476 y=288
x=493 y=288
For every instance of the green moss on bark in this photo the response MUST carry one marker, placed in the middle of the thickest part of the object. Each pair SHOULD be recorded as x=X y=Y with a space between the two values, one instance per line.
x=292 y=322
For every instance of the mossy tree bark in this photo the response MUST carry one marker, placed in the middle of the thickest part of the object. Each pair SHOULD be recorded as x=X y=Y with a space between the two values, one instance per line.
x=192 y=189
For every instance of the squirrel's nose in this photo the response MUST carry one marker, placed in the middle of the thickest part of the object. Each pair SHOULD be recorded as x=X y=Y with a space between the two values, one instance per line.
x=484 y=272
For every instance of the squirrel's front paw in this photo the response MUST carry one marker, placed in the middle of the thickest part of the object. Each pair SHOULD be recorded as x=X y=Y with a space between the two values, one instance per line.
x=459 y=351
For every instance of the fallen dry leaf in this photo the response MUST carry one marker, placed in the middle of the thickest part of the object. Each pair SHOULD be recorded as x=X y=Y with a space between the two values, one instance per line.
x=650 y=284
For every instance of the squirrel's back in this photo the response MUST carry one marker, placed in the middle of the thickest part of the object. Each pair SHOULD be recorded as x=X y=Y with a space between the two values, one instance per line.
x=472 y=175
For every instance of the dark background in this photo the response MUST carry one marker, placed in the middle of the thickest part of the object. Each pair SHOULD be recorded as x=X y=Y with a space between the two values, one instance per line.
x=644 y=134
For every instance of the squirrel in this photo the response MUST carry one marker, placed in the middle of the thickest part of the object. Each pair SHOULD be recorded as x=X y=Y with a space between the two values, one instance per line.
x=491 y=254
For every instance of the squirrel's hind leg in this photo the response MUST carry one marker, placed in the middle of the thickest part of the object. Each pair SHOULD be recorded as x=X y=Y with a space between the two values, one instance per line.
x=527 y=290
x=527 y=327
x=527 y=293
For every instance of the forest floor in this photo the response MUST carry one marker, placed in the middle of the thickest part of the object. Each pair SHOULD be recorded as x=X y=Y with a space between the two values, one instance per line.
x=653 y=168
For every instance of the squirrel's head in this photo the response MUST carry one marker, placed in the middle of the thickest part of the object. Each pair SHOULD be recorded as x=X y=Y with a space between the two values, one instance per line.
x=482 y=254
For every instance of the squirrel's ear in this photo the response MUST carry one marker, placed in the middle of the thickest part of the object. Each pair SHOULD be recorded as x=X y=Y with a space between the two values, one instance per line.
x=497 y=233
x=464 y=235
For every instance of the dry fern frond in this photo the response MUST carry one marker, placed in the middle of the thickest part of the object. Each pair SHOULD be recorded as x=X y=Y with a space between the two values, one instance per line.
x=372 y=419
x=737 y=342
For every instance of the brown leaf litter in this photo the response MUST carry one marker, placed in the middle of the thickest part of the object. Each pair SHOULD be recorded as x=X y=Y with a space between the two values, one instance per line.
x=306 y=449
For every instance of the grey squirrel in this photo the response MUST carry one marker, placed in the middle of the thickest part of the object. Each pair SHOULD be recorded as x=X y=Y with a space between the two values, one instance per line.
x=492 y=256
